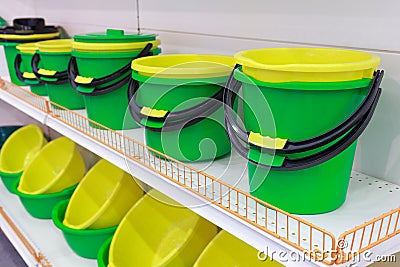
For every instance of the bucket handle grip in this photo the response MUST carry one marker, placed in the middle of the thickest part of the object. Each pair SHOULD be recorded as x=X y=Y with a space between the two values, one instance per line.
x=77 y=80
x=291 y=147
x=236 y=134
x=47 y=76
x=25 y=77
x=171 y=121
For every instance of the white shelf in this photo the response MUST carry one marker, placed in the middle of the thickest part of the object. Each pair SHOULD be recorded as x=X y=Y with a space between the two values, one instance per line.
x=368 y=197
x=41 y=234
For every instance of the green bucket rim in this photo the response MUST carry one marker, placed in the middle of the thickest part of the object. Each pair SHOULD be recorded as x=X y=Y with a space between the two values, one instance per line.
x=125 y=54
x=317 y=86
x=82 y=232
x=175 y=81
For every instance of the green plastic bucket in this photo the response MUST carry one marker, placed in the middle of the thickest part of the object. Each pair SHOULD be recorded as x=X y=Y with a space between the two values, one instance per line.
x=185 y=87
x=100 y=71
x=41 y=205
x=291 y=165
x=23 y=32
x=85 y=243
x=100 y=106
x=24 y=71
x=10 y=50
x=50 y=65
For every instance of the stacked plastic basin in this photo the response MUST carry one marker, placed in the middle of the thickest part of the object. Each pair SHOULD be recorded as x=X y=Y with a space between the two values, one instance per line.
x=100 y=71
x=50 y=177
x=23 y=68
x=23 y=31
x=96 y=208
x=304 y=109
x=157 y=232
x=17 y=151
x=50 y=65
x=178 y=99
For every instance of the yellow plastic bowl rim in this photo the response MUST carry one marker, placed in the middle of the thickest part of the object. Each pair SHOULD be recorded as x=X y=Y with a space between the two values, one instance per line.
x=220 y=65
x=61 y=45
x=248 y=58
x=27 y=48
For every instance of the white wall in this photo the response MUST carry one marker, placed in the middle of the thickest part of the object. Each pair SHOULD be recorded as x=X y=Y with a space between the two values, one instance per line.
x=228 y=26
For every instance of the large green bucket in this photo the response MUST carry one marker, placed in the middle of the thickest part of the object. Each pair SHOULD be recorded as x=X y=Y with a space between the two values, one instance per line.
x=23 y=31
x=291 y=165
x=165 y=104
x=50 y=65
x=23 y=68
x=100 y=71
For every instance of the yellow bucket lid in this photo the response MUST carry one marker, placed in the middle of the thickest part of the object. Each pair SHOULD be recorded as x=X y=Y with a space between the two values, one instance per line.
x=27 y=48
x=112 y=47
x=55 y=46
x=307 y=64
x=184 y=66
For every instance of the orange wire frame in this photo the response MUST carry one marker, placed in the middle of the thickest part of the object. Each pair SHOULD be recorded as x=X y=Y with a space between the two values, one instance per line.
x=291 y=229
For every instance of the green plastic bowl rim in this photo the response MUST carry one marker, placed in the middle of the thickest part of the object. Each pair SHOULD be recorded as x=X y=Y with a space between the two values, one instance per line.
x=83 y=232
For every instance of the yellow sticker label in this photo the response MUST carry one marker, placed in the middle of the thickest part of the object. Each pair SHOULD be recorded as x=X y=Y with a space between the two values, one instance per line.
x=47 y=72
x=266 y=141
x=155 y=113
x=29 y=75
x=83 y=80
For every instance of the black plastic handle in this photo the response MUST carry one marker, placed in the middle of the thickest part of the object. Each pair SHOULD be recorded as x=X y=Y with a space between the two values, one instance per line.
x=20 y=75
x=291 y=147
x=321 y=156
x=73 y=73
x=60 y=76
x=176 y=120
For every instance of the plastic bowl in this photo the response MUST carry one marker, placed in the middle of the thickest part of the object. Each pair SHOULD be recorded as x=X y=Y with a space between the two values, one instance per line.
x=227 y=250
x=18 y=150
x=102 y=256
x=57 y=166
x=159 y=232
x=85 y=243
x=41 y=205
x=102 y=198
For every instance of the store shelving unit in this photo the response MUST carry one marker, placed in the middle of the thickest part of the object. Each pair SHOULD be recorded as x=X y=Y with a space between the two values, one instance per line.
x=368 y=221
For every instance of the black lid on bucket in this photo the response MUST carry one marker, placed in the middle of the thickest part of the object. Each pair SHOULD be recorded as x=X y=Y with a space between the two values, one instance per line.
x=28 y=30
x=28 y=23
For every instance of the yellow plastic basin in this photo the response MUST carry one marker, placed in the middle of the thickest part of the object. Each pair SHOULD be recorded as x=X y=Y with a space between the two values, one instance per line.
x=57 y=166
x=157 y=234
x=184 y=66
x=102 y=198
x=20 y=147
x=307 y=64
x=226 y=250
